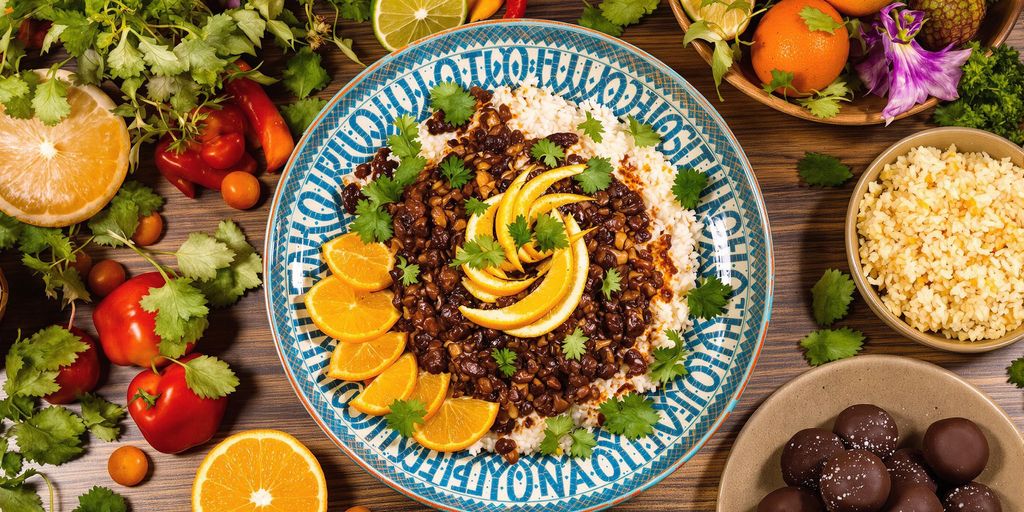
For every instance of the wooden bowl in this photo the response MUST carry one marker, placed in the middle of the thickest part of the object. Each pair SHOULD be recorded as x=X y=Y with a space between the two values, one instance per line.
x=914 y=392
x=865 y=109
x=967 y=140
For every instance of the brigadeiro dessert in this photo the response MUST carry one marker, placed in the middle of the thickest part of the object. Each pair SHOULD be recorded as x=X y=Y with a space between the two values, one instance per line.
x=868 y=427
x=804 y=455
x=956 y=450
x=913 y=498
x=907 y=466
x=854 y=481
x=789 y=499
x=972 y=497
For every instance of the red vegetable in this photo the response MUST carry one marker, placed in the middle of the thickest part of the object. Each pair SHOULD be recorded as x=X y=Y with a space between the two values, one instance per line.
x=274 y=136
x=80 y=376
x=218 y=150
x=186 y=169
x=170 y=416
x=223 y=151
x=125 y=329
x=515 y=9
x=32 y=33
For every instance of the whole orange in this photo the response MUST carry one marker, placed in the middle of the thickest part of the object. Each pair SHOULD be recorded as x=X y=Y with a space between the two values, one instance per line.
x=784 y=42
x=859 y=7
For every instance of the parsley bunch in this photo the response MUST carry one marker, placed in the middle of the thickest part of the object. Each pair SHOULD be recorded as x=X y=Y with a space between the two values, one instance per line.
x=991 y=94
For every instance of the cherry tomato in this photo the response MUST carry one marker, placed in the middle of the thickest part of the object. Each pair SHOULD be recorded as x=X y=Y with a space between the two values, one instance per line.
x=150 y=228
x=105 y=276
x=357 y=508
x=227 y=119
x=240 y=190
x=223 y=151
x=82 y=263
x=128 y=465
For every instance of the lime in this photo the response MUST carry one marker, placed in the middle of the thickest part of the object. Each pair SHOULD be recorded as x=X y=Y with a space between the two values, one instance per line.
x=397 y=23
x=731 y=16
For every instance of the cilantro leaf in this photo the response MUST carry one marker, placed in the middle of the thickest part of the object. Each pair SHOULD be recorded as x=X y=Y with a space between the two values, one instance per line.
x=355 y=10
x=593 y=18
x=101 y=417
x=627 y=12
x=611 y=283
x=12 y=87
x=827 y=345
x=473 y=207
x=597 y=175
x=556 y=427
x=142 y=196
x=520 y=231
x=583 y=443
x=32 y=362
x=825 y=103
x=20 y=499
x=643 y=134
x=592 y=127
x=121 y=216
x=831 y=296
x=101 y=499
x=410 y=272
x=10 y=231
x=242 y=274
x=632 y=416
x=251 y=24
x=669 y=362
x=180 y=314
x=200 y=256
x=409 y=170
x=34 y=239
x=19 y=106
x=780 y=80
x=454 y=170
x=405 y=143
x=689 y=184
x=709 y=299
x=823 y=170
x=549 y=233
x=303 y=73
x=209 y=377
x=480 y=253
x=574 y=345
x=547 y=152
x=383 y=190
x=404 y=416
x=51 y=101
x=300 y=114
x=11 y=463
x=50 y=436
x=1015 y=372
x=161 y=60
x=818 y=20
x=506 y=360
x=372 y=223
x=457 y=104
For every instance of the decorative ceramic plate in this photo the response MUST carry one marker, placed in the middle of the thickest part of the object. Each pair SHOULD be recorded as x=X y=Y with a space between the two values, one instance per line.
x=578 y=64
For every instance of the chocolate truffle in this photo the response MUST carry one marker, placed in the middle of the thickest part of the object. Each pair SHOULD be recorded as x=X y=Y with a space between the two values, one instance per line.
x=789 y=499
x=972 y=497
x=907 y=466
x=956 y=450
x=867 y=427
x=913 y=498
x=805 y=453
x=854 y=481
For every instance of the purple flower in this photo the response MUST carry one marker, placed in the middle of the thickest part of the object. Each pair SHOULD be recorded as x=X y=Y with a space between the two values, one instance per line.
x=896 y=65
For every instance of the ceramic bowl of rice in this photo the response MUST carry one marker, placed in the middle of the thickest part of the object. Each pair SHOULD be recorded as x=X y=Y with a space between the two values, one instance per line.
x=935 y=239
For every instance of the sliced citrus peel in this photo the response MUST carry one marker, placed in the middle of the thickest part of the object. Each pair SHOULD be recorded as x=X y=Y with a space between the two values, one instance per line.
x=458 y=424
x=395 y=383
x=365 y=267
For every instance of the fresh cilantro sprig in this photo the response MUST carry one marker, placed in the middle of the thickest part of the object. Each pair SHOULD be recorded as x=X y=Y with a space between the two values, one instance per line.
x=829 y=345
x=818 y=20
x=410 y=272
x=597 y=176
x=592 y=128
x=455 y=171
x=574 y=345
x=102 y=417
x=612 y=16
x=480 y=253
x=209 y=377
x=582 y=441
x=708 y=300
x=547 y=152
x=405 y=415
x=687 y=187
x=632 y=416
x=372 y=223
x=1015 y=372
x=670 y=362
x=405 y=143
x=643 y=134
x=520 y=231
x=780 y=80
x=826 y=103
x=831 y=297
x=457 y=104
x=475 y=206
x=101 y=499
x=506 y=360
x=133 y=202
x=611 y=283
x=32 y=363
x=823 y=170
x=549 y=234
x=301 y=113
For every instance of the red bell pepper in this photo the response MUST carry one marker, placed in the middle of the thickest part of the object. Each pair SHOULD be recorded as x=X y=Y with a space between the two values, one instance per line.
x=217 y=151
x=171 y=416
x=125 y=329
x=80 y=376
x=515 y=9
x=186 y=169
x=274 y=136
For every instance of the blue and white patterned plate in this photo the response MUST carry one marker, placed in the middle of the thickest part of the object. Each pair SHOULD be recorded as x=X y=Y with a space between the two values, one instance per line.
x=579 y=64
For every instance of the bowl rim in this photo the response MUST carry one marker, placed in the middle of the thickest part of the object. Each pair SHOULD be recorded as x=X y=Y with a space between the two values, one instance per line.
x=752 y=90
x=852 y=239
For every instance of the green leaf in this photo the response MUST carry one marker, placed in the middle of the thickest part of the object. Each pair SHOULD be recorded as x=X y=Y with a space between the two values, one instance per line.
x=91 y=68
x=35 y=239
x=50 y=436
x=480 y=253
x=611 y=283
x=161 y=59
x=355 y=10
x=829 y=345
x=574 y=345
x=627 y=12
x=120 y=218
x=1015 y=372
x=826 y=103
x=405 y=415
x=592 y=127
x=583 y=443
x=556 y=427
x=506 y=360
x=201 y=60
x=101 y=499
x=79 y=34
x=818 y=20
x=372 y=223
x=643 y=134
x=473 y=207
x=32 y=362
x=688 y=185
x=780 y=80
x=549 y=233
x=410 y=272
x=721 y=62
x=593 y=18
x=597 y=176
x=547 y=152
x=209 y=377
x=10 y=231
x=125 y=61
x=632 y=416
x=709 y=299
x=303 y=73
x=383 y=190
x=180 y=314
x=250 y=23
x=11 y=463
x=282 y=33
x=51 y=101
x=823 y=170
x=457 y=104
x=409 y=170
x=20 y=499
x=669 y=362
x=520 y=231
x=702 y=31
x=201 y=256
x=300 y=114
x=454 y=170
x=405 y=143
x=831 y=297
x=20 y=107
x=101 y=417
x=12 y=87
x=144 y=197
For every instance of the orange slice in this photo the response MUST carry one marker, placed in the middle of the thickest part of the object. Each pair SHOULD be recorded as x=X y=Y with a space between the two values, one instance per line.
x=396 y=383
x=505 y=216
x=260 y=471
x=349 y=315
x=551 y=201
x=457 y=425
x=365 y=267
x=63 y=174
x=431 y=389
x=478 y=292
x=491 y=282
x=361 y=361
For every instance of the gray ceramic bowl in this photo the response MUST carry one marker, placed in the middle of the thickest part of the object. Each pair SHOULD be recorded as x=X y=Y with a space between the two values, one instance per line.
x=967 y=140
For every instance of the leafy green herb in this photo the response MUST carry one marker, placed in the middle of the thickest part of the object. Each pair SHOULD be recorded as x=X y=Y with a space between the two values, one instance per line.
x=101 y=499
x=101 y=417
x=372 y=223
x=632 y=416
x=549 y=233
x=709 y=299
x=301 y=113
x=405 y=415
x=506 y=360
x=593 y=18
x=991 y=94
x=383 y=190
x=583 y=443
x=410 y=272
x=780 y=80
x=50 y=436
x=597 y=176
x=201 y=256
x=32 y=363
x=454 y=170
x=520 y=231
x=823 y=170
x=209 y=377
x=831 y=297
x=547 y=152
x=303 y=73
x=475 y=206
x=611 y=283
x=724 y=54
x=457 y=104
x=574 y=345
x=818 y=20
x=1015 y=372
x=670 y=362
x=643 y=134
x=689 y=184
x=829 y=345
x=592 y=127
x=409 y=170
x=406 y=142
x=242 y=274
x=480 y=253
x=122 y=215
x=556 y=427
x=627 y=12
x=825 y=103
x=180 y=310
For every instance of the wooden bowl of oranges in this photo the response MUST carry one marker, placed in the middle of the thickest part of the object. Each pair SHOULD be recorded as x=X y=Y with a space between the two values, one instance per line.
x=819 y=43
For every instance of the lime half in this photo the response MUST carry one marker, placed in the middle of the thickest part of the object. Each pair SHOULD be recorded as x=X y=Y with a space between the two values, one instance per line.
x=731 y=16
x=397 y=23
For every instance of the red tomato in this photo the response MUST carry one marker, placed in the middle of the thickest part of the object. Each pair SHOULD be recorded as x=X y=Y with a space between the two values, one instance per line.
x=150 y=228
x=223 y=151
x=82 y=263
x=240 y=190
x=125 y=329
x=80 y=376
x=105 y=276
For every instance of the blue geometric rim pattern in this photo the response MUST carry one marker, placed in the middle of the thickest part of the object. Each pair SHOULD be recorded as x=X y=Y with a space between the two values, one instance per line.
x=578 y=64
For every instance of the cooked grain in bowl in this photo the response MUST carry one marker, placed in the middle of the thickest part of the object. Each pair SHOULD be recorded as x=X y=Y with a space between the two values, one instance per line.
x=942 y=239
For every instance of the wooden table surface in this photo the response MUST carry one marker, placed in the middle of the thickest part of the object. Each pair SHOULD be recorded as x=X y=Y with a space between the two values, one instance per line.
x=807 y=228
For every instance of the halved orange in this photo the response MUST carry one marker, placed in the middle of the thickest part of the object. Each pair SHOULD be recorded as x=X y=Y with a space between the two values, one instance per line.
x=396 y=383
x=63 y=174
x=260 y=471
x=457 y=425
x=346 y=314
x=365 y=267
x=431 y=390
x=360 y=361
